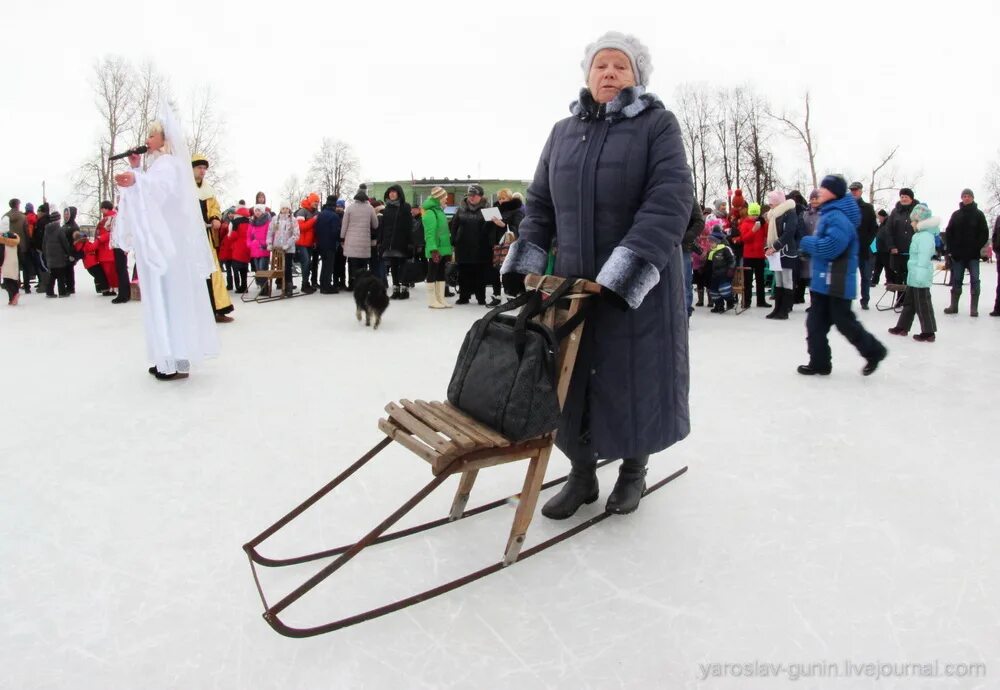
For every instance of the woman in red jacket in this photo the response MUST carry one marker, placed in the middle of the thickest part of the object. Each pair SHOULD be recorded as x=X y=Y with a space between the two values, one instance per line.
x=105 y=253
x=753 y=236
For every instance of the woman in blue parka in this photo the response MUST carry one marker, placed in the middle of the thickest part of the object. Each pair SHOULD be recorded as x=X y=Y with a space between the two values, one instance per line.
x=614 y=190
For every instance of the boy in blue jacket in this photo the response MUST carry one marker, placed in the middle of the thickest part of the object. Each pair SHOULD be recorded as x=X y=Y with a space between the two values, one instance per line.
x=833 y=249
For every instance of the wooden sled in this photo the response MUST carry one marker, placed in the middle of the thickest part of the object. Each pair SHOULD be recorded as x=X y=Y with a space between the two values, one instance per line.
x=739 y=287
x=452 y=444
x=891 y=291
x=269 y=292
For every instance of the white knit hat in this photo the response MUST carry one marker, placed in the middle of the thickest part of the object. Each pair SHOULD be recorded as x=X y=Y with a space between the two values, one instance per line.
x=638 y=54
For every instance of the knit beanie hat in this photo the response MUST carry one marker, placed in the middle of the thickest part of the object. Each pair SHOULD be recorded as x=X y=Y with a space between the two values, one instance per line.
x=906 y=191
x=920 y=212
x=753 y=209
x=637 y=53
x=439 y=193
x=362 y=194
x=774 y=198
x=969 y=192
x=475 y=189
x=260 y=207
x=835 y=184
x=717 y=236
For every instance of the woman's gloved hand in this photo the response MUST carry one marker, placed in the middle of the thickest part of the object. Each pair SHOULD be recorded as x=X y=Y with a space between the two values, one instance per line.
x=614 y=299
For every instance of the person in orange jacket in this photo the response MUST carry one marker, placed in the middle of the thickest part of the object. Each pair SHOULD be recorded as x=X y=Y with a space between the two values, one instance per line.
x=304 y=248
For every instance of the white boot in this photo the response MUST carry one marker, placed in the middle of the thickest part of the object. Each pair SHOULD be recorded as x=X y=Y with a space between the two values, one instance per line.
x=432 y=298
x=439 y=293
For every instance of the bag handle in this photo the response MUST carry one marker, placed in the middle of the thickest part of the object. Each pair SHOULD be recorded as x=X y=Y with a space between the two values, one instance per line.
x=536 y=306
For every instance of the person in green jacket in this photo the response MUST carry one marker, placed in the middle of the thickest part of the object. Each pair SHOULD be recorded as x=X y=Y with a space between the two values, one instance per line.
x=437 y=247
x=920 y=271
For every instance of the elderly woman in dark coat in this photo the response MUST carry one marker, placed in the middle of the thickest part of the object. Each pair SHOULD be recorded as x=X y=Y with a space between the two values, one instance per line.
x=613 y=188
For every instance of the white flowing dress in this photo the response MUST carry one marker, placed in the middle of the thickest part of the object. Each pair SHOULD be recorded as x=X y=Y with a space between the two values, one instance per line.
x=160 y=221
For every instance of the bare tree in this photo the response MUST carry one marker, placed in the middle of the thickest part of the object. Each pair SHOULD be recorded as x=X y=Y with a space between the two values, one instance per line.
x=992 y=182
x=760 y=176
x=114 y=96
x=730 y=129
x=696 y=110
x=804 y=133
x=335 y=167
x=149 y=87
x=882 y=179
x=293 y=191
x=205 y=135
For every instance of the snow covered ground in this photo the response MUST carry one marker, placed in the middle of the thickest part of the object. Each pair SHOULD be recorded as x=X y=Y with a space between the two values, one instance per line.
x=823 y=521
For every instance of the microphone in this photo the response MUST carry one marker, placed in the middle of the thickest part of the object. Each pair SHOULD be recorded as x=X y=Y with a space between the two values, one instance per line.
x=137 y=150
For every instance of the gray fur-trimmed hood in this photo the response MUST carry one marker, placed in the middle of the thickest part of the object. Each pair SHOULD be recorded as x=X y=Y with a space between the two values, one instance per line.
x=629 y=103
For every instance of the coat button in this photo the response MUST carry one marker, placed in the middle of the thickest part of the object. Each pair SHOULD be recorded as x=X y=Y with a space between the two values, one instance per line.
x=583 y=138
x=593 y=372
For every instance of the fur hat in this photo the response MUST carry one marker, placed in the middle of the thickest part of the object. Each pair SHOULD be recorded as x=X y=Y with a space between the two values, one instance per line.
x=835 y=184
x=199 y=159
x=753 y=209
x=439 y=193
x=920 y=212
x=638 y=55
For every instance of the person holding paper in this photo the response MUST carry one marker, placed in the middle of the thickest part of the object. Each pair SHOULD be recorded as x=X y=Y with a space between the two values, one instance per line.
x=782 y=229
x=473 y=238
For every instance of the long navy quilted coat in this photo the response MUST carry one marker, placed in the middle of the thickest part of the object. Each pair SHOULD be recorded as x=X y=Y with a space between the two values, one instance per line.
x=613 y=189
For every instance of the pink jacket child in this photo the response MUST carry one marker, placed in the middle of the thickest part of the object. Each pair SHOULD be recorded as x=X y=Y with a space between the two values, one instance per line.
x=257 y=233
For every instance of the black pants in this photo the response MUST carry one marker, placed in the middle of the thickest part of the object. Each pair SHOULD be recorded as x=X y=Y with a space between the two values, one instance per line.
x=341 y=268
x=897 y=262
x=314 y=267
x=227 y=266
x=996 y=303
x=10 y=285
x=355 y=266
x=58 y=277
x=436 y=271
x=827 y=311
x=240 y=269
x=327 y=258
x=472 y=281
x=71 y=277
x=755 y=274
x=100 y=280
x=917 y=302
x=881 y=262
x=121 y=268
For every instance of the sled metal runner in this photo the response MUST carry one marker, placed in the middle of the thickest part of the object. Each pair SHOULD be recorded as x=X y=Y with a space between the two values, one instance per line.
x=452 y=443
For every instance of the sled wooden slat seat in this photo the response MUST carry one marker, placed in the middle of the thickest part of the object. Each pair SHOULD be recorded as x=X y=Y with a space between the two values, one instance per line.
x=276 y=270
x=452 y=442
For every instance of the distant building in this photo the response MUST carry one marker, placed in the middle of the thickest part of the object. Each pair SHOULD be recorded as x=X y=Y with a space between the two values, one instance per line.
x=417 y=191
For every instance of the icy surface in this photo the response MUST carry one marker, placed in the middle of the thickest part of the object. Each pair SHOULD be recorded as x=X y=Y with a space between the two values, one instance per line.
x=822 y=520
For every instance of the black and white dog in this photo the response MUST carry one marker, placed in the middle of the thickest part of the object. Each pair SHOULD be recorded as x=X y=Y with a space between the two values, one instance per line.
x=370 y=298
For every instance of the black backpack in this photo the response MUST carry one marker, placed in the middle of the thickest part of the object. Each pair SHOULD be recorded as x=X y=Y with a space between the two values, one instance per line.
x=505 y=376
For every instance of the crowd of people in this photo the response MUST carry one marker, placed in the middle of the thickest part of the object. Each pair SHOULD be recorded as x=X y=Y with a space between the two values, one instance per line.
x=409 y=243
x=903 y=247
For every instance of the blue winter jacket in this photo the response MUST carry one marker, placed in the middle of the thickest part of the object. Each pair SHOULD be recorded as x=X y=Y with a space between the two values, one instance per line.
x=833 y=249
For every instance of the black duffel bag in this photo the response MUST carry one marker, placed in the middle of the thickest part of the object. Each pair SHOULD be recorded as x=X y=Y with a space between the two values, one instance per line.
x=505 y=376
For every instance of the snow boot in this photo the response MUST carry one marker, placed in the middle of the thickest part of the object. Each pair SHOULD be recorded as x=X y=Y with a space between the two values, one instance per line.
x=432 y=296
x=953 y=307
x=440 y=291
x=974 y=304
x=873 y=362
x=810 y=370
x=701 y=297
x=404 y=293
x=395 y=292
x=779 y=306
x=580 y=488
x=631 y=484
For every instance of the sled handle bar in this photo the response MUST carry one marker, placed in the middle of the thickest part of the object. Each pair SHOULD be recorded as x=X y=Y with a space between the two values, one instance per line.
x=548 y=284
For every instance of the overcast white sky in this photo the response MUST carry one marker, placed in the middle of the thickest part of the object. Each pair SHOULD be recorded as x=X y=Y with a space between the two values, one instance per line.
x=459 y=89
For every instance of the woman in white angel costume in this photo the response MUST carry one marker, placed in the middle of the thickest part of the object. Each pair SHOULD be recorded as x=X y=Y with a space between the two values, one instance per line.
x=160 y=221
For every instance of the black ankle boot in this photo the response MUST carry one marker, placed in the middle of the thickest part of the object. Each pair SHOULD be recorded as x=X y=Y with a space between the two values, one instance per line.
x=624 y=498
x=580 y=488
